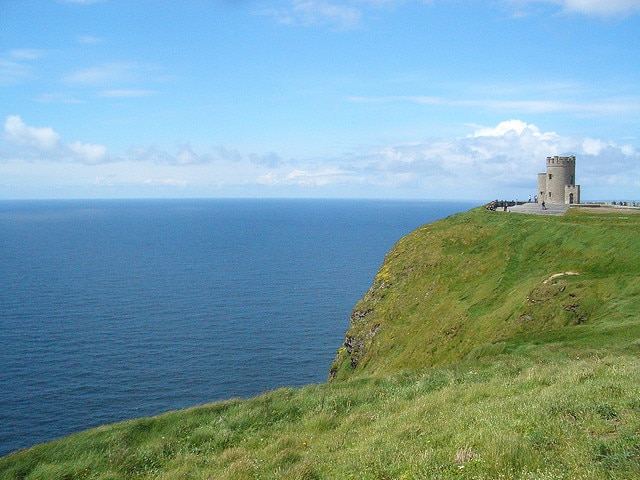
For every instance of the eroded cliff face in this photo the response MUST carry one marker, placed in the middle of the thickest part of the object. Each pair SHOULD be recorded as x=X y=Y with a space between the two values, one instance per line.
x=354 y=345
x=353 y=349
x=400 y=312
x=362 y=327
x=467 y=284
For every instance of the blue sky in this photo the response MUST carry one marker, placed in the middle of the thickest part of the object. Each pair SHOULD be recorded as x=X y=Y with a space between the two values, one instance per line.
x=433 y=99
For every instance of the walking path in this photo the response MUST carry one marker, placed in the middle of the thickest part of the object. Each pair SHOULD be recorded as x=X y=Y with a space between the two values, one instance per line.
x=536 y=209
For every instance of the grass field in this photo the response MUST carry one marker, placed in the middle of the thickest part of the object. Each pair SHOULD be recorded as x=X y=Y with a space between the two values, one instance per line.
x=491 y=345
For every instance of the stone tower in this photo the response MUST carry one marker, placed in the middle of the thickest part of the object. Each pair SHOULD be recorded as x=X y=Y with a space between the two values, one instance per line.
x=558 y=185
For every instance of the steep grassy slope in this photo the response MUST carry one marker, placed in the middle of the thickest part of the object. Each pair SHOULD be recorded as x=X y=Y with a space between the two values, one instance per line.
x=487 y=282
x=468 y=358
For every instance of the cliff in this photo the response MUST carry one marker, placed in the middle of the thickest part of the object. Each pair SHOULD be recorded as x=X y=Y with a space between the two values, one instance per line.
x=482 y=283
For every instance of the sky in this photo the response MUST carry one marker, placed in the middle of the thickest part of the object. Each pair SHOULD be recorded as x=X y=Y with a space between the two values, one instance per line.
x=406 y=99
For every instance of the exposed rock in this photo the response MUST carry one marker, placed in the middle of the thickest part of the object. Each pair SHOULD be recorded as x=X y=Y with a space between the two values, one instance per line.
x=359 y=315
x=558 y=275
x=355 y=349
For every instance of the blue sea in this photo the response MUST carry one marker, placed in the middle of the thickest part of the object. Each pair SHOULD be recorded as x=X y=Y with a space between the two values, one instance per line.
x=114 y=309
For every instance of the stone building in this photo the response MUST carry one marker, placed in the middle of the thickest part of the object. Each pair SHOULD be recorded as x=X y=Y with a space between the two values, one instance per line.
x=558 y=185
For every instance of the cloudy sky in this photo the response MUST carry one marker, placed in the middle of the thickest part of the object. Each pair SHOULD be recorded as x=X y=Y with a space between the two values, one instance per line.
x=433 y=99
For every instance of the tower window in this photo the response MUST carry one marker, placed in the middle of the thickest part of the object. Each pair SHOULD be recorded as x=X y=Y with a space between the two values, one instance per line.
x=550 y=176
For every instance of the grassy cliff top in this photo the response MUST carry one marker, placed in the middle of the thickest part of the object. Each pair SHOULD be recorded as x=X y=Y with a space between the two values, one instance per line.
x=482 y=283
x=491 y=345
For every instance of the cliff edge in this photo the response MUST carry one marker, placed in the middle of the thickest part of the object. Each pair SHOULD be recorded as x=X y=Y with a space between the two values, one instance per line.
x=482 y=283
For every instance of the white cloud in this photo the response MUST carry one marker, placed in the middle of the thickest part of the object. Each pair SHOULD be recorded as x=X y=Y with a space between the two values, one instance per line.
x=15 y=65
x=271 y=159
x=88 y=152
x=316 y=12
x=313 y=176
x=173 y=182
x=227 y=154
x=82 y=2
x=44 y=144
x=12 y=72
x=602 y=8
x=89 y=39
x=117 y=79
x=150 y=154
x=320 y=11
x=185 y=156
x=127 y=93
x=515 y=126
x=62 y=98
x=500 y=160
x=270 y=179
x=316 y=178
x=347 y=14
x=40 y=138
x=610 y=106
x=26 y=54
x=109 y=74
x=593 y=146
x=101 y=74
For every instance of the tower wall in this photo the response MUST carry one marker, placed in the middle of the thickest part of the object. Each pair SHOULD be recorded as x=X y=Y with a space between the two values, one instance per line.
x=572 y=194
x=542 y=187
x=561 y=172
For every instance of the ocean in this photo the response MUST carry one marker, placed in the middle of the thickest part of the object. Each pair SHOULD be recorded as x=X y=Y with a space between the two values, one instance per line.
x=115 y=309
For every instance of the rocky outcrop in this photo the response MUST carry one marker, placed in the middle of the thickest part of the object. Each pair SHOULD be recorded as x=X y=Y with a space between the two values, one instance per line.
x=355 y=349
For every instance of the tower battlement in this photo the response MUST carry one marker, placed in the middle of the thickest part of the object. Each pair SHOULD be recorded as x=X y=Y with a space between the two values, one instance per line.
x=557 y=161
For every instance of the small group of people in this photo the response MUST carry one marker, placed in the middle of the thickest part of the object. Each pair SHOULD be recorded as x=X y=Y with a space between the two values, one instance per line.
x=493 y=206
x=504 y=204
x=535 y=200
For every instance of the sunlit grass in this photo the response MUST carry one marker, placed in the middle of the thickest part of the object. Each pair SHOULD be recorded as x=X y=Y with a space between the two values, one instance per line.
x=482 y=278
x=510 y=418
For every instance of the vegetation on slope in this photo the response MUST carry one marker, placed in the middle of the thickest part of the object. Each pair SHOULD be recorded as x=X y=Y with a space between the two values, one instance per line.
x=487 y=282
x=468 y=359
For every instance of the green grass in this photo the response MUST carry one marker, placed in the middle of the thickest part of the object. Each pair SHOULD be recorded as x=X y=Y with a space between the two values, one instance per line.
x=464 y=363
x=461 y=286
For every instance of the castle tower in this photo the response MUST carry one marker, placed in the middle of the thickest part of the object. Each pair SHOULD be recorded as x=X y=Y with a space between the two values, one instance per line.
x=558 y=185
